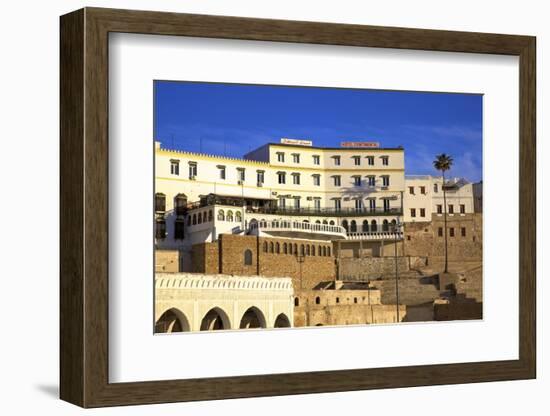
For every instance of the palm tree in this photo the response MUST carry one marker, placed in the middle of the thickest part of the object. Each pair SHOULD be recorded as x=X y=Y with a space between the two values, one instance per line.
x=443 y=163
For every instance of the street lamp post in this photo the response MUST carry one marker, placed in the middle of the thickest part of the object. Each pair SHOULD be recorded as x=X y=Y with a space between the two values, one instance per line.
x=396 y=229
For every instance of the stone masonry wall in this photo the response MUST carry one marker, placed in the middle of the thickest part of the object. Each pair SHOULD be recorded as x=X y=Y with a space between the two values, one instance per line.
x=423 y=239
x=205 y=258
x=268 y=259
x=167 y=261
x=370 y=267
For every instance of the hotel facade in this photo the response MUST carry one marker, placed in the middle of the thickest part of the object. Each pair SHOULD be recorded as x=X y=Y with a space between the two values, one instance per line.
x=279 y=189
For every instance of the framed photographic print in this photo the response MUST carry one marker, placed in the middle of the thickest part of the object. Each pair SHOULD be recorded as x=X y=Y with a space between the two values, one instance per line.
x=256 y=207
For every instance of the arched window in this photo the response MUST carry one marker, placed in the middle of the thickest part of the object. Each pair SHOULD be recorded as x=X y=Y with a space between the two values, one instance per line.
x=194 y=219
x=160 y=202
x=204 y=216
x=331 y=222
x=248 y=257
x=317 y=300
x=296 y=301
x=328 y=251
x=210 y=215
x=271 y=247
x=221 y=215
x=295 y=249
x=238 y=216
x=318 y=222
x=373 y=226
x=353 y=226
x=308 y=250
x=325 y=222
x=277 y=248
x=313 y=250
x=385 y=225
x=265 y=246
x=199 y=218
x=285 y=248
x=365 y=228
x=324 y=250
x=229 y=216
x=345 y=225
x=394 y=226
x=302 y=250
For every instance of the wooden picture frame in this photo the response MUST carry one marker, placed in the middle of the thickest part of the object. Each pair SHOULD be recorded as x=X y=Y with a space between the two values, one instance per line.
x=84 y=207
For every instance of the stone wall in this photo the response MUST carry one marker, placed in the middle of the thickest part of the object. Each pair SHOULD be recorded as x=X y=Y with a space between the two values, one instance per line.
x=227 y=256
x=367 y=268
x=167 y=261
x=343 y=307
x=423 y=239
x=205 y=258
x=355 y=248
x=458 y=311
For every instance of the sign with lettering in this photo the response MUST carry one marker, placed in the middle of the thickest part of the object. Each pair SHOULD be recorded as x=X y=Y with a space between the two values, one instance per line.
x=360 y=144
x=299 y=142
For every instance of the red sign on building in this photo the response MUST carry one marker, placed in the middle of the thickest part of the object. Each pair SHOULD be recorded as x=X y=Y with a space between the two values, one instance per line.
x=360 y=144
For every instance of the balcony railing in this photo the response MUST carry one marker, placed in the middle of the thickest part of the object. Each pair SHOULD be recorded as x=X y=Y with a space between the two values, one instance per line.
x=375 y=235
x=337 y=212
x=297 y=227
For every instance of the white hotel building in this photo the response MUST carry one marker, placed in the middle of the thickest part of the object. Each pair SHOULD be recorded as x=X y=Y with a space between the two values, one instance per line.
x=290 y=189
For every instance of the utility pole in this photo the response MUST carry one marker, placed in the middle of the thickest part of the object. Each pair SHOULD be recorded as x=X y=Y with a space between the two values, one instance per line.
x=396 y=229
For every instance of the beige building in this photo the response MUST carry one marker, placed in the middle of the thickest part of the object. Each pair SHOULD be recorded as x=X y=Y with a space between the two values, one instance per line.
x=424 y=197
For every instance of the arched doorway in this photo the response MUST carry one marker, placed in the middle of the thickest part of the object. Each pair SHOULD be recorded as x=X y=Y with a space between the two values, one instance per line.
x=173 y=320
x=216 y=319
x=282 y=321
x=252 y=318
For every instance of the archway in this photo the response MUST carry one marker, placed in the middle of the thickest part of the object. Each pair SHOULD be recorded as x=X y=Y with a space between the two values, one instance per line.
x=282 y=321
x=173 y=320
x=216 y=319
x=252 y=318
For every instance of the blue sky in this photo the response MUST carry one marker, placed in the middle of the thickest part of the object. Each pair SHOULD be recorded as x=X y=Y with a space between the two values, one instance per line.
x=231 y=119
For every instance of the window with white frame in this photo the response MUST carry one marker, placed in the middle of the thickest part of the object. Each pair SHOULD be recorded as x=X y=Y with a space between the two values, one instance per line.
x=281 y=177
x=356 y=160
x=221 y=172
x=241 y=174
x=337 y=180
x=317 y=204
x=174 y=167
x=372 y=204
x=296 y=178
x=316 y=180
x=336 y=160
x=280 y=157
x=337 y=204
x=296 y=157
x=385 y=180
x=316 y=159
x=358 y=204
x=260 y=177
x=193 y=169
x=370 y=160
x=385 y=160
